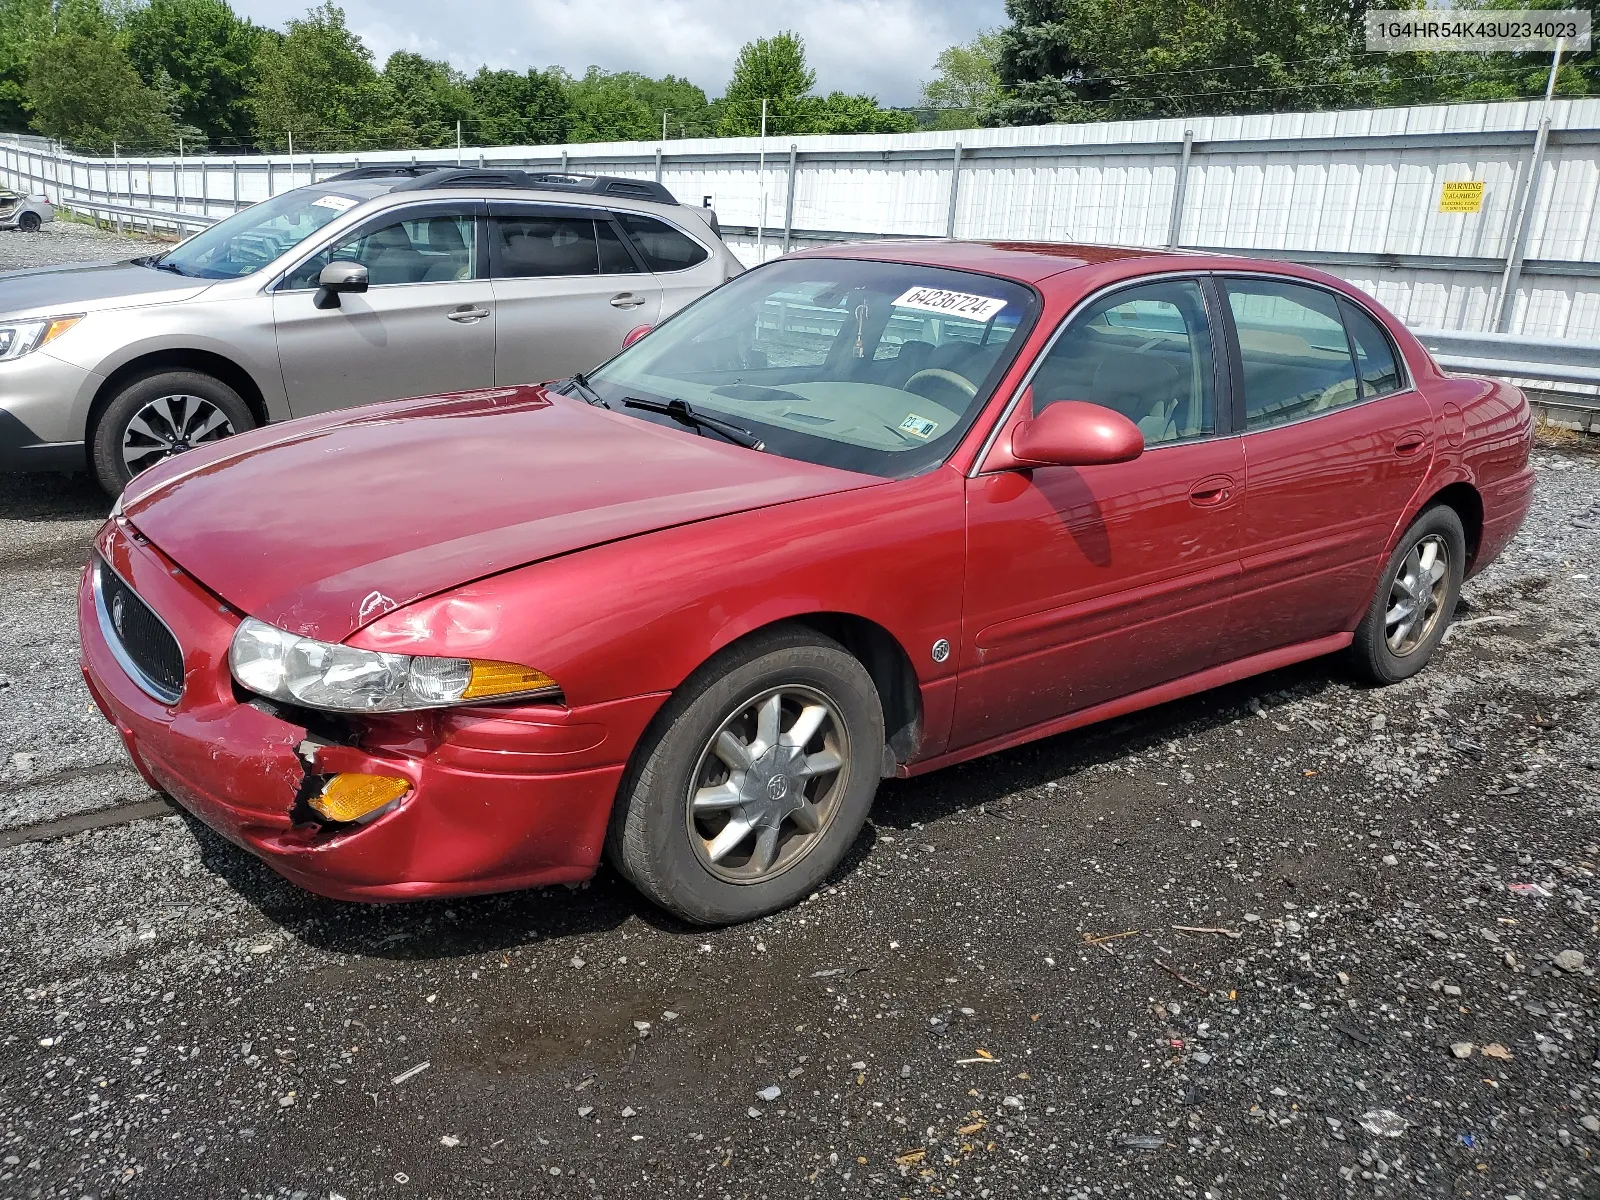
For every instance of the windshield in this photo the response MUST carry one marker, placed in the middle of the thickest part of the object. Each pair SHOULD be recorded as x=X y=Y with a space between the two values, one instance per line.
x=249 y=240
x=868 y=366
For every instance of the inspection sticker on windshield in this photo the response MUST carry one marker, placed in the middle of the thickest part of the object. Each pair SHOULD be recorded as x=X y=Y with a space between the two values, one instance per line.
x=951 y=304
x=337 y=203
x=918 y=426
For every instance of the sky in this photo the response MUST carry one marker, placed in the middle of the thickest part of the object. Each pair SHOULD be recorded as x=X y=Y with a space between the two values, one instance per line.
x=884 y=48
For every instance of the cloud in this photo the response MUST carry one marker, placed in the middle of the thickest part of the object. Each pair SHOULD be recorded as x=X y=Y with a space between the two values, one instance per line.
x=882 y=47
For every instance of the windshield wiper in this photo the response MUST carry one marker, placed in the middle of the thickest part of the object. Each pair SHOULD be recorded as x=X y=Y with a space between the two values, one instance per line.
x=679 y=410
x=161 y=264
x=593 y=396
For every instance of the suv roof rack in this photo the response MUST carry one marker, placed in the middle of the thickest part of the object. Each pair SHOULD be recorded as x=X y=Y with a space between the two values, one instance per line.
x=423 y=177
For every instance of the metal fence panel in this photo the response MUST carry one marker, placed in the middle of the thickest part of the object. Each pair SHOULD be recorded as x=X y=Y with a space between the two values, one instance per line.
x=1355 y=192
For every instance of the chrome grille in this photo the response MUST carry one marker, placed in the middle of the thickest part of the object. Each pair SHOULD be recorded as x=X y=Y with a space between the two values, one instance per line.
x=141 y=641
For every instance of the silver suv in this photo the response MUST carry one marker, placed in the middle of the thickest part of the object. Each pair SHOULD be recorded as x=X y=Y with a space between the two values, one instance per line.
x=377 y=284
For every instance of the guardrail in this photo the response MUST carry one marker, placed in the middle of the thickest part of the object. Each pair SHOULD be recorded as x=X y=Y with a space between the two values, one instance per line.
x=1531 y=361
x=136 y=216
x=1513 y=355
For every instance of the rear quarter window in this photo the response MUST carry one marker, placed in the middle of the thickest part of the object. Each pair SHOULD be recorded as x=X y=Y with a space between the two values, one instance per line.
x=664 y=248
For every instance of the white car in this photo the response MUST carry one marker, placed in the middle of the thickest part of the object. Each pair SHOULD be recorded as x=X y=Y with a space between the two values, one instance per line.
x=26 y=213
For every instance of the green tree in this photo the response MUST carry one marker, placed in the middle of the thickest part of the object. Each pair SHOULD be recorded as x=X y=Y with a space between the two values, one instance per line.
x=771 y=69
x=608 y=106
x=967 y=82
x=84 y=91
x=839 y=112
x=774 y=69
x=429 y=98
x=513 y=109
x=688 y=112
x=25 y=27
x=1083 y=60
x=318 y=81
x=203 y=57
x=1445 y=77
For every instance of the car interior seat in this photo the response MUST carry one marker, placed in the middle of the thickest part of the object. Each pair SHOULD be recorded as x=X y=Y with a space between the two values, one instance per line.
x=391 y=258
x=451 y=258
x=912 y=357
x=1142 y=388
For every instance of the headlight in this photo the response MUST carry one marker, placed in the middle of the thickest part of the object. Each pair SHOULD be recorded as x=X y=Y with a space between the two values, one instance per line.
x=24 y=337
x=300 y=670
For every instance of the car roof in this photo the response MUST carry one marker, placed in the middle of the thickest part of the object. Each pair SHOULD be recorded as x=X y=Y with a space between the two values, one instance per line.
x=1027 y=262
x=379 y=194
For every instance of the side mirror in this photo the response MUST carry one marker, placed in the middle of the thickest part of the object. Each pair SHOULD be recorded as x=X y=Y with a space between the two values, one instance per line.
x=634 y=334
x=1071 y=433
x=337 y=278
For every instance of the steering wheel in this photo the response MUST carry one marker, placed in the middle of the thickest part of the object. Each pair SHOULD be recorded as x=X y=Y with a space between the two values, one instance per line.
x=961 y=383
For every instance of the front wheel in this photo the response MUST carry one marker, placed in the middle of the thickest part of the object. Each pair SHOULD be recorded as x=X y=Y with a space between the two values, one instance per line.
x=753 y=781
x=160 y=415
x=1416 y=596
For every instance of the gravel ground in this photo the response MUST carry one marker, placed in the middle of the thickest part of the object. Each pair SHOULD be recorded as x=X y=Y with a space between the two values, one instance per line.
x=1292 y=938
x=64 y=241
x=1399 y=877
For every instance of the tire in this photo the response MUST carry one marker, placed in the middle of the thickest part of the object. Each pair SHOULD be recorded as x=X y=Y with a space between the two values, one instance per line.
x=194 y=403
x=29 y=222
x=1387 y=650
x=668 y=849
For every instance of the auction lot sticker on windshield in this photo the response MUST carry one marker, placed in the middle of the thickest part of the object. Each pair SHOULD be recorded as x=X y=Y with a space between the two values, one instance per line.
x=950 y=304
x=919 y=426
x=337 y=203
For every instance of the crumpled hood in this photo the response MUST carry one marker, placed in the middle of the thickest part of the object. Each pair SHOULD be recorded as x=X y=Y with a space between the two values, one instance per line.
x=321 y=526
x=85 y=287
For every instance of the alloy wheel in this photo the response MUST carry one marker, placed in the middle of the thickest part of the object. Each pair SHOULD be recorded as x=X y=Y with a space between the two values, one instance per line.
x=767 y=784
x=1417 y=595
x=170 y=425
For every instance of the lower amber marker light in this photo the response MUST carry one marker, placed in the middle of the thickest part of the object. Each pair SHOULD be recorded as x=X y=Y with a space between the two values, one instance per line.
x=351 y=797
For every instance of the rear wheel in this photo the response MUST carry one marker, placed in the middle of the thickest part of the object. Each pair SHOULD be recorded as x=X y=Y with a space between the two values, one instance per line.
x=1416 y=596
x=753 y=781
x=160 y=415
x=29 y=222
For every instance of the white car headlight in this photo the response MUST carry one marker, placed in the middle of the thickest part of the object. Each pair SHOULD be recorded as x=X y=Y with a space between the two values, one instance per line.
x=24 y=337
x=300 y=670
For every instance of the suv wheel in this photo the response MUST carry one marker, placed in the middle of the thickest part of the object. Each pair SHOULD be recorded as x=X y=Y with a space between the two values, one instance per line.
x=754 y=781
x=29 y=222
x=160 y=415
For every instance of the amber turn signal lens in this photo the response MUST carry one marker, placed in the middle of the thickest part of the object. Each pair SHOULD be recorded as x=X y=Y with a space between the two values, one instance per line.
x=56 y=328
x=504 y=679
x=351 y=797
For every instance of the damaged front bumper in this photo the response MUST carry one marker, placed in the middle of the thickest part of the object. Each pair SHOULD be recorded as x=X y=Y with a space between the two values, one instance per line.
x=500 y=798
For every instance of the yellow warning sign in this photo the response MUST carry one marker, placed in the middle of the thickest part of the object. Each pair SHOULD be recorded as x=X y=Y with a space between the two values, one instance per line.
x=1462 y=197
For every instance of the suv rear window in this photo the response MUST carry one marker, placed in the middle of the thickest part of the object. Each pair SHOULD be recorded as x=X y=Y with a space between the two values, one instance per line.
x=664 y=248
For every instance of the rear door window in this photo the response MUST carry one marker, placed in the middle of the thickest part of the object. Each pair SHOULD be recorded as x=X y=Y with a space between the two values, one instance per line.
x=664 y=248
x=540 y=244
x=1293 y=352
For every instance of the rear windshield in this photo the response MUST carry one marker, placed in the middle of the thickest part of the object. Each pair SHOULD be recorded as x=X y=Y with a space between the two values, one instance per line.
x=868 y=366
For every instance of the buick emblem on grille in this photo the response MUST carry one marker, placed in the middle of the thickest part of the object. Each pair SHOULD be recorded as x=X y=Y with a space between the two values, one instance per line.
x=116 y=614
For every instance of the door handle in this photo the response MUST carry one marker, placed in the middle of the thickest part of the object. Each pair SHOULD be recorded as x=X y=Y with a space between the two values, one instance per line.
x=1409 y=443
x=1212 y=492
x=626 y=300
x=467 y=315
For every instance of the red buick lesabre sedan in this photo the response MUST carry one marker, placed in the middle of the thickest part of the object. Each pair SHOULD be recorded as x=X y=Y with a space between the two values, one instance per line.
x=859 y=513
